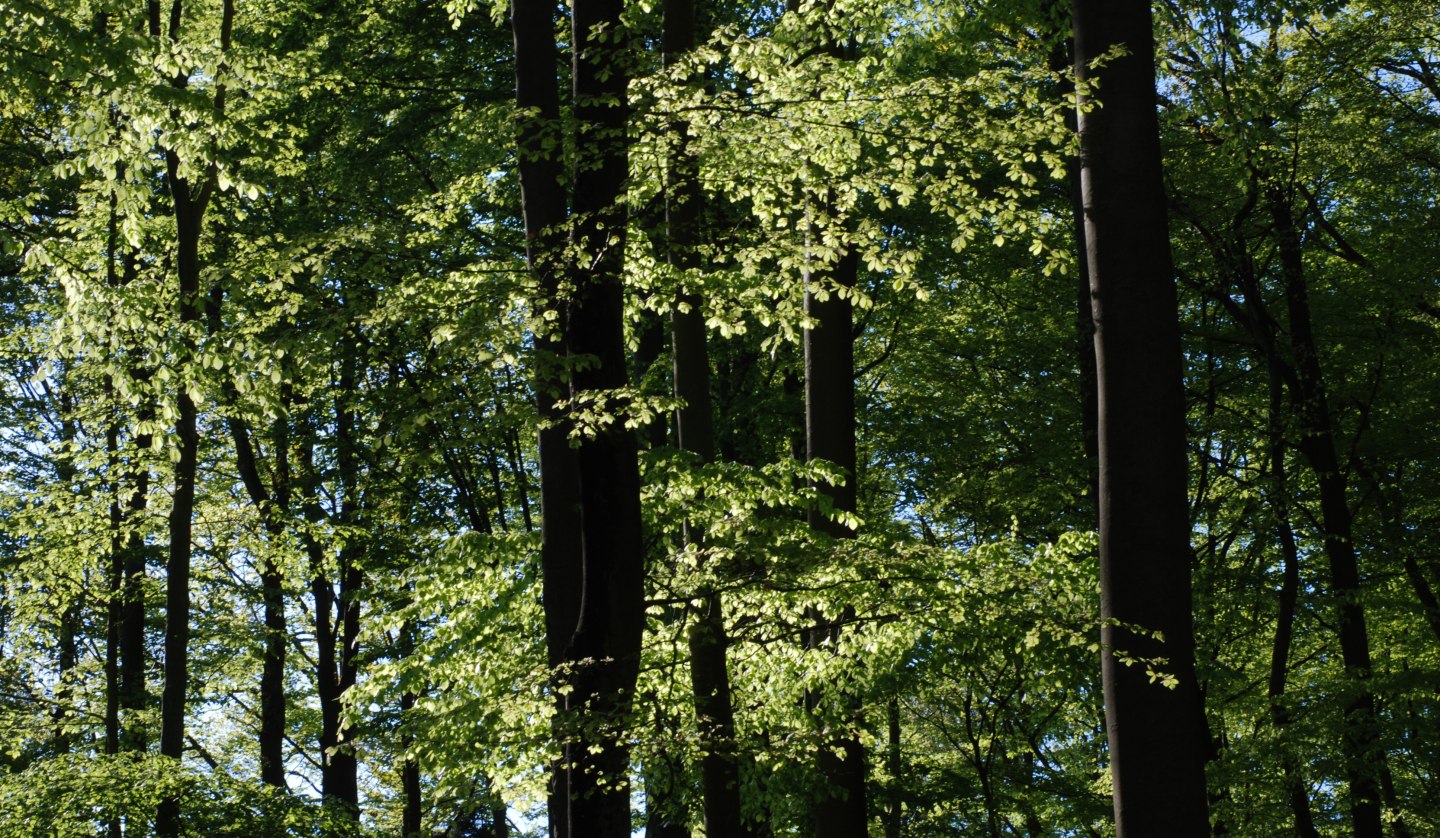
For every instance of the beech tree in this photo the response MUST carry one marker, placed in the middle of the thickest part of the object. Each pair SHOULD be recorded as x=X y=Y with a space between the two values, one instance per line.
x=1153 y=714
x=474 y=550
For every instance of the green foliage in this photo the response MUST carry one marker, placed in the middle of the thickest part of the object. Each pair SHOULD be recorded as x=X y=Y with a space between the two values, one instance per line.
x=75 y=797
x=363 y=265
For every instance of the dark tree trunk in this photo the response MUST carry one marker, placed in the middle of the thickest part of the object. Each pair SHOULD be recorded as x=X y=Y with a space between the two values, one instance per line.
x=830 y=435
x=272 y=503
x=1157 y=735
x=131 y=558
x=410 y=779
x=1295 y=790
x=115 y=566
x=1365 y=759
x=411 y=816
x=177 y=571
x=1061 y=58
x=133 y=697
x=694 y=424
x=189 y=201
x=272 y=591
x=543 y=202
x=115 y=569
x=895 y=764
x=1389 y=503
x=322 y=590
x=520 y=480
x=341 y=781
x=68 y=646
x=604 y=651
x=115 y=591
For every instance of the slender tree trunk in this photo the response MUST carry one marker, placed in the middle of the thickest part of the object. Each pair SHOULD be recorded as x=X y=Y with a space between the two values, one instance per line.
x=272 y=592
x=895 y=765
x=1295 y=792
x=189 y=201
x=115 y=570
x=694 y=424
x=182 y=512
x=1389 y=503
x=322 y=591
x=1157 y=734
x=341 y=782
x=272 y=504
x=115 y=566
x=115 y=591
x=1061 y=58
x=411 y=816
x=519 y=479
x=1365 y=759
x=131 y=557
x=133 y=696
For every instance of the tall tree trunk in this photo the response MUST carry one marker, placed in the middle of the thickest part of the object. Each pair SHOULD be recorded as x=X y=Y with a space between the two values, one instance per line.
x=272 y=504
x=1157 y=733
x=115 y=566
x=829 y=385
x=694 y=424
x=1295 y=791
x=341 y=781
x=131 y=559
x=543 y=204
x=604 y=651
x=272 y=592
x=115 y=591
x=182 y=511
x=895 y=765
x=189 y=201
x=830 y=435
x=1062 y=58
x=1365 y=759
x=411 y=816
x=133 y=695
x=115 y=570
x=327 y=675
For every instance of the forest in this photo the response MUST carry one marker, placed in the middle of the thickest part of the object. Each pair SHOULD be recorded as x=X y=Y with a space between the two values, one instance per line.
x=719 y=419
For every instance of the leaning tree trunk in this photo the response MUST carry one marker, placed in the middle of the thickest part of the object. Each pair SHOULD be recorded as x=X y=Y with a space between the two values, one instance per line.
x=1366 y=766
x=272 y=504
x=1156 y=731
x=1296 y=793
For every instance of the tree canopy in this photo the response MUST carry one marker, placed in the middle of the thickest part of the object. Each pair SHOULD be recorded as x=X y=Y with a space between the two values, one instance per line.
x=717 y=419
